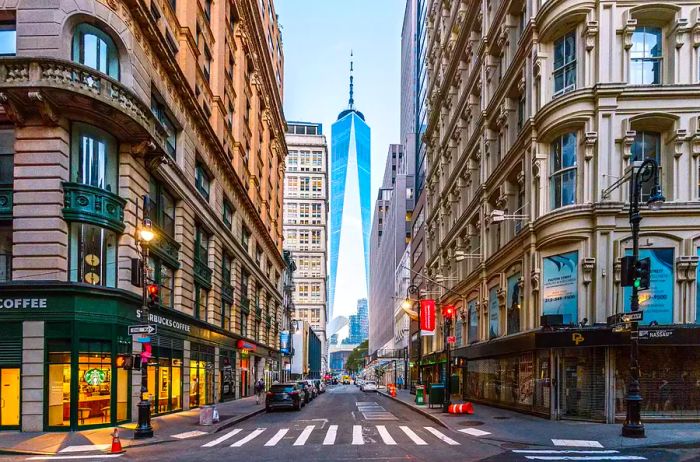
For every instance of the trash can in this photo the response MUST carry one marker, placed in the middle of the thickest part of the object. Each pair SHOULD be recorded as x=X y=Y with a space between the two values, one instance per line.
x=206 y=415
x=437 y=395
x=420 y=395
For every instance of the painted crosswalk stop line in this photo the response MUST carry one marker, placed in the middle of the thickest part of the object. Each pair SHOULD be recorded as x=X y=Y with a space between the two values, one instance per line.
x=357 y=435
x=474 y=432
x=577 y=443
x=330 y=435
x=221 y=439
x=278 y=436
x=564 y=451
x=411 y=434
x=301 y=440
x=586 y=458
x=254 y=434
x=386 y=437
x=442 y=436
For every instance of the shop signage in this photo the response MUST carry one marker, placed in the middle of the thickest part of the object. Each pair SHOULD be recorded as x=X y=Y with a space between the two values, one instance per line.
x=22 y=303
x=94 y=377
x=657 y=301
x=167 y=322
x=560 y=286
x=143 y=329
x=284 y=342
x=243 y=345
x=427 y=317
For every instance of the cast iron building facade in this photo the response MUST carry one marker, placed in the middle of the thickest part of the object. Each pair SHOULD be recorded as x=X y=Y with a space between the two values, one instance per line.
x=536 y=109
x=103 y=103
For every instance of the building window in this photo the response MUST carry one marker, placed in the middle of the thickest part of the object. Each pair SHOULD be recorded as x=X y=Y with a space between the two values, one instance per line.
x=521 y=111
x=226 y=315
x=8 y=39
x=207 y=9
x=228 y=214
x=162 y=211
x=94 y=158
x=93 y=255
x=94 y=48
x=5 y=253
x=245 y=238
x=7 y=154
x=201 y=245
x=164 y=276
x=202 y=180
x=164 y=116
x=565 y=64
x=200 y=302
x=646 y=56
x=244 y=324
x=207 y=63
x=563 y=167
x=647 y=145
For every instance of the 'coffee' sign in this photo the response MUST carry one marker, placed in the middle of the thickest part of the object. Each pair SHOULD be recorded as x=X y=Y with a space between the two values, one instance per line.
x=22 y=303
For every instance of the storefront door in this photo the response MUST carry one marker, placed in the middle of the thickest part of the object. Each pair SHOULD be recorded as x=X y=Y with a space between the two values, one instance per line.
x=9 y=397
x=581 y=383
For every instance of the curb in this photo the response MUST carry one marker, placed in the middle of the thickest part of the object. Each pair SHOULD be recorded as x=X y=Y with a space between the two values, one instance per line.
x=234 y=421
x=424 y=413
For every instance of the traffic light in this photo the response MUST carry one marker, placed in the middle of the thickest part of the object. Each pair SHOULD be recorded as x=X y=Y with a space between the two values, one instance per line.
x=125 y=361
x=146 y=352
x=153 y=295
x=448 y=312
x=628 y=271
x=642 y=274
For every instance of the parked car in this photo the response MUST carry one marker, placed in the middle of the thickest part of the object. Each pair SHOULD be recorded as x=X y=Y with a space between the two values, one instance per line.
x=284 y=395
x=359 y=382
x=369 y=385
x=320 y=386
x=308 y=394
x=312 y=384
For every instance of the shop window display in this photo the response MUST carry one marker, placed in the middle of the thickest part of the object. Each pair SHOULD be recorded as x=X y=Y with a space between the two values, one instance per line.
x=59 y=383
x=95 y=383
x=165 y=380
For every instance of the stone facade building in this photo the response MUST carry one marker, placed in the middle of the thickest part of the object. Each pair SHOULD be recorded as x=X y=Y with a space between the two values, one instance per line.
x=306 y=224
x=104 y=102
x=537 y=109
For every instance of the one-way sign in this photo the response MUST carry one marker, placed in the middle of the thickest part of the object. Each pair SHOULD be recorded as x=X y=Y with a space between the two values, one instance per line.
x=143 y=329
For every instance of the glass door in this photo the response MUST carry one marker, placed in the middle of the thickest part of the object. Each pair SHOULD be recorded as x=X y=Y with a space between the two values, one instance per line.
x=9 y=397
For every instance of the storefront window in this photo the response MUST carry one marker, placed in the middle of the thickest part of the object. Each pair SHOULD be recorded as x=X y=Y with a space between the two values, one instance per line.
x=94 y=383
x=93 y=255
x=201 y=375
x=165 y=379
x=59 y=380
x=227 y=360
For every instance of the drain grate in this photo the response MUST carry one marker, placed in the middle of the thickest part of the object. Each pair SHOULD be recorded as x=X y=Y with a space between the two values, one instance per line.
x=470 y=423
x=501 y=417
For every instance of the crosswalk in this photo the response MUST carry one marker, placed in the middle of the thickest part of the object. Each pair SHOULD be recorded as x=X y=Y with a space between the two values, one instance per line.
x=371 y=410
x=331 y=435
x=575 y=454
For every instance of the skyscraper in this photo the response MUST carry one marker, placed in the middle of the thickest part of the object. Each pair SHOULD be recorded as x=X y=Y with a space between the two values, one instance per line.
x=350 y=209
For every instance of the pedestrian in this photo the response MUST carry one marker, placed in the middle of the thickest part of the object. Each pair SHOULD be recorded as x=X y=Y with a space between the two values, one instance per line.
x=399 y=381
x=259 y=387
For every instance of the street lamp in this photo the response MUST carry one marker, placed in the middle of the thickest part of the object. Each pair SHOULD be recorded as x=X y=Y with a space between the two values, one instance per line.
x=144 y=237
x=648 y=170
x=448 y=312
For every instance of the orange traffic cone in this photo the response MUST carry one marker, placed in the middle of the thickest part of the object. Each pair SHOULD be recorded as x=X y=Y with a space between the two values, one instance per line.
x=116 y=443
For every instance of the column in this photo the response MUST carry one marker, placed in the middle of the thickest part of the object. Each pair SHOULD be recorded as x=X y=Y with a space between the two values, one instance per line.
x=186 y=375
x=32 y=376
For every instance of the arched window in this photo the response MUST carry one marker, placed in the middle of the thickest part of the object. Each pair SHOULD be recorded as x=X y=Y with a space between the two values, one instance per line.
x=95 y=49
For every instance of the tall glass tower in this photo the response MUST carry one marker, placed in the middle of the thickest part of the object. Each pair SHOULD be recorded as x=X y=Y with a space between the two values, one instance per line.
x=350 y=209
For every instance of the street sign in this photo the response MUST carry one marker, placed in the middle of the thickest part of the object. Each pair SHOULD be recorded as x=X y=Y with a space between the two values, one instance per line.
x=143 y=329
x=451 y=339
x=623 y=318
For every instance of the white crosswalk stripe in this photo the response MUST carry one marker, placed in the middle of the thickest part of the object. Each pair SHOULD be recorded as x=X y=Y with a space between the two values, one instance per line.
x=411 y=434
x=585 y=458
x=575 y=454
x=301 y=440
x=248 y=438
x=278 y=436
x=357 y=435
x=442 y=436
x=221 y=439
x=577 y=443
x=330 y=435
x=386 y=437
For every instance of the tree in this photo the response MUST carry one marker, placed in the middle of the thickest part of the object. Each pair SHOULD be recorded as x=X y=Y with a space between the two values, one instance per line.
x=356 y=358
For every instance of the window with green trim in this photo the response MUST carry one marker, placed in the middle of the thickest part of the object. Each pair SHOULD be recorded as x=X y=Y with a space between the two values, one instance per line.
x=226 y=315
x=201 y=245
x=226 y=265
x=164 y=276
x=93 y=255
x=200 y=302
x=94 y=157
x=167 y=122
x=162 y=211
x=244 y=324
x=245 y=237
x=228 y=214
x=202 y=180
x=7 y=155
x=94 y=48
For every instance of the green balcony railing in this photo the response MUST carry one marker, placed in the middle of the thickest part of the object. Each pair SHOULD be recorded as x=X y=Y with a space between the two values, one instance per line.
x=89 y=204
x=202 y=273
x=5 y=202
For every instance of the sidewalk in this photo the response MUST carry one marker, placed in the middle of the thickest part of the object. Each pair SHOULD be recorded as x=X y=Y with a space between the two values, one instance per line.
x=514 y=428
x=166 y=428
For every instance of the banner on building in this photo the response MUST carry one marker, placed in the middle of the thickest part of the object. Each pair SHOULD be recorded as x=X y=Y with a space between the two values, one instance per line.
x=657 y=301
x=427 y=317
x=560 y=286
x=284 y=342
x=494 y=315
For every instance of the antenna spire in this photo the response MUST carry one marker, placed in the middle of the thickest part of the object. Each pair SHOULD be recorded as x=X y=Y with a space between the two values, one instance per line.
x=351 y=102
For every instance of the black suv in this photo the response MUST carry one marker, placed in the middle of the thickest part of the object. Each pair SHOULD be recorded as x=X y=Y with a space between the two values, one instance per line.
x=284 y=395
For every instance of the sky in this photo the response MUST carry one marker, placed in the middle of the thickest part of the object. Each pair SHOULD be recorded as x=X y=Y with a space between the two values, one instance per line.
x=318 y=36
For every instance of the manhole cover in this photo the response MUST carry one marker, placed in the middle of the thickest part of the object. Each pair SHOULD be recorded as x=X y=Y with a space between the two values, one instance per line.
x=470 y=423
x=501 y=417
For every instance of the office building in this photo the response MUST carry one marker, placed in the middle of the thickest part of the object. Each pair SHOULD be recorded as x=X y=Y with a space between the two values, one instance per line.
x=358 y=325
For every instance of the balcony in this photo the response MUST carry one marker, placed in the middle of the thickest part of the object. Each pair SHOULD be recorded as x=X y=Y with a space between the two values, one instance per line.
x=202 y=273
x=97 y=206
x=5 y=202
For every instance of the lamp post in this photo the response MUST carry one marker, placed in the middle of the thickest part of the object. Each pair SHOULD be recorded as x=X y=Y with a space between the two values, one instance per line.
x=448 y=312
x=648 y=170
x=407 y=304
x=145 y=235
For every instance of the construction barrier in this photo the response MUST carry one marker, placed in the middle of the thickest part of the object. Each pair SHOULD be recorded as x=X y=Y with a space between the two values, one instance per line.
x=465 y=408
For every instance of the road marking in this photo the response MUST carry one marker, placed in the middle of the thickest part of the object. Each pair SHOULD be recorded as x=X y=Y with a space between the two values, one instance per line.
x=442 y=436
x=564 y=451
x=578 y=443
x=411 y=434
x=330 y=435
x=96 y=456
x=474 y=432
x=278 y=436
x=386 y=437
x=357 y=435
x=301 y=440
x=254 y=434
x=585 y=458
x=85 y=447
x=192 y=434
x=221 y=439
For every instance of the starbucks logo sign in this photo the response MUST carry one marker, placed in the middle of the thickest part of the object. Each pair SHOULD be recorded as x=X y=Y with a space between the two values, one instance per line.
x=95 y=377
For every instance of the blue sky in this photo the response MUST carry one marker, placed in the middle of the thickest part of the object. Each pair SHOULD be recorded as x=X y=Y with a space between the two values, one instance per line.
x=318 y=36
